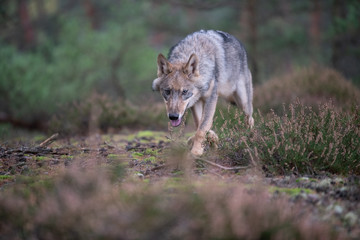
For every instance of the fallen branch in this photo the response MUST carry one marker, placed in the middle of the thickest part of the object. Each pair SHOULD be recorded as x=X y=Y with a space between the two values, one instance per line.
x=48 y=141
x=220 y=166
x=160 y=167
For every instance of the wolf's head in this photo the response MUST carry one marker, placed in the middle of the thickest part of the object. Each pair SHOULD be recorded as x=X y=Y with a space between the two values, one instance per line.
x=177 y=85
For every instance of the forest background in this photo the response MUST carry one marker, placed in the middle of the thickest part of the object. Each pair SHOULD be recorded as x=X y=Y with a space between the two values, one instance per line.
x=60 y=58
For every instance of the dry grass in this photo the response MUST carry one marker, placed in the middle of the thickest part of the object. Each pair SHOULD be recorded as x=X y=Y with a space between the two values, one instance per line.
x=100 y=113
x=82 y=204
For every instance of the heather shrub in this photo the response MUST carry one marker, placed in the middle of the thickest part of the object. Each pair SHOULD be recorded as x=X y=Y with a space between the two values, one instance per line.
x=302 y=140
x=81 y=204
x=312 y=85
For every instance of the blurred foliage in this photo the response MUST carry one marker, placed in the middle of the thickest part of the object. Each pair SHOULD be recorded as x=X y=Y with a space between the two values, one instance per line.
x=114 y=60
x=83 y=204
x=57 y=53
x=311 y=85
x=100 y=112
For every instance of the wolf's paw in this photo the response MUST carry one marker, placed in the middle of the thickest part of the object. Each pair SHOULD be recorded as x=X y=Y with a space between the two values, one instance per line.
x=212 y=138
x=197 y=151
x=251 y=122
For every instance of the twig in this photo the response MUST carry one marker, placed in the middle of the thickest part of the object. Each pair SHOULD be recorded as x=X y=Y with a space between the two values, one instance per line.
x=160 y=167
x=220 y=166
x=49 y=140
x=214 y=173
x=109 y=145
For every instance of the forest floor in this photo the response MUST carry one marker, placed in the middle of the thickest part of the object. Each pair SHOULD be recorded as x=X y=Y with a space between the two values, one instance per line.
x=149 y=156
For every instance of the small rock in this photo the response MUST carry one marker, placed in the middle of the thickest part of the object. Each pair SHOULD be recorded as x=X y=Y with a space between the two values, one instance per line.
x=338 y=209
x=25 y=169
x=140 y=175
x=323 y=185
x=303 y=179
x=339 y=180
x=313 y=198
x=350 y=219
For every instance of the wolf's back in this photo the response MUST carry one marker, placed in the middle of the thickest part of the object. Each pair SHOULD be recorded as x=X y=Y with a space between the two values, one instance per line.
x=218 y=52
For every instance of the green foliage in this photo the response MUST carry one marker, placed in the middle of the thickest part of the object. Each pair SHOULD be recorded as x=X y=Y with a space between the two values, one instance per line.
x=291 y=191
x=351 y=21
x=5 y=130
x=115 y=60
x=302 y=140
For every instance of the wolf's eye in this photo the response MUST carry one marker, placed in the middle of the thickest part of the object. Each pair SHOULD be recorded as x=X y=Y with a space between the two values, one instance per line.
x=184 y=92
x=167 y=91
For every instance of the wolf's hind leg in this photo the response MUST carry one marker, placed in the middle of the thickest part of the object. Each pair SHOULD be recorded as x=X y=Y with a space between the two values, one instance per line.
x=243 y=98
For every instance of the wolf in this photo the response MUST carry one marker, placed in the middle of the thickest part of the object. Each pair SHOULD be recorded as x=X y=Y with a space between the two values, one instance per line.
x=200 y=68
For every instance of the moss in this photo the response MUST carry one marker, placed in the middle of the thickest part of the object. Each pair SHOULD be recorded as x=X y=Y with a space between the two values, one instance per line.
x=291 y=191
x=106 y=138
x=151 y=159
x=137 y=154
x=41 y=158
x=113 y=156
x=142 y=134
x=152 y=152
x=3 y=177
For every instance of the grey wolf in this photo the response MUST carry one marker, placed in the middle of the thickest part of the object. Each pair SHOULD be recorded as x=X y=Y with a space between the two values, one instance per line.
x=199 y=69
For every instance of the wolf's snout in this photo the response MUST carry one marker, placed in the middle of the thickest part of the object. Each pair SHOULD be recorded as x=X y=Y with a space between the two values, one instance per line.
x=173 y=116
x=175 y=119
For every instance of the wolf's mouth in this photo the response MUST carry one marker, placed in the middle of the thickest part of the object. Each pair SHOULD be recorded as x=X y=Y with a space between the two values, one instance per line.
x=175 y=123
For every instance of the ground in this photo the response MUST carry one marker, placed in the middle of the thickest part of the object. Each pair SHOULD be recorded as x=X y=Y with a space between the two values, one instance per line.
x=151 y=156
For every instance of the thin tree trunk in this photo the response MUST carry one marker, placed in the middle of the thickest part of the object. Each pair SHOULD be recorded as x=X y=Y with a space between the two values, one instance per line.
x=91 y=13
x=315 y=24
x=27 y=31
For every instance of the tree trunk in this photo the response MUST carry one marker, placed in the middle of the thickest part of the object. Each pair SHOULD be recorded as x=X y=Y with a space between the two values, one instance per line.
x=315 y=24
x=27 y=34
x=91 y=13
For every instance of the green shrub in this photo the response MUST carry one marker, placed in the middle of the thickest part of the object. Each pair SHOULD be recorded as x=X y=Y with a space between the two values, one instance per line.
x=302 y=140
x=115 y=60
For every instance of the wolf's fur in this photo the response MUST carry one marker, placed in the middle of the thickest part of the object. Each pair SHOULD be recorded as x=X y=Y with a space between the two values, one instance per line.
x=201 y=67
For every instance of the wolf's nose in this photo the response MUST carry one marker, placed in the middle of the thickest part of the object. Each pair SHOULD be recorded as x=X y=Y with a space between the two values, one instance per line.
x=174 y=116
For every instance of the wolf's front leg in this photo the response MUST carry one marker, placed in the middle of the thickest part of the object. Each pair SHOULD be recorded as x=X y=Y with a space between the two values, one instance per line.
x=205 y=124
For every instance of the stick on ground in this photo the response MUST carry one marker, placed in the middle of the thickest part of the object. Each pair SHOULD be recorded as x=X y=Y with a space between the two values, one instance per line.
x=222 y=167
x=48 y=141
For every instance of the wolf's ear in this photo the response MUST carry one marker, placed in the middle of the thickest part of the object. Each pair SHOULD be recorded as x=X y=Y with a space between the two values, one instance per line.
x=156 y=84
x=192 y=66
x=164 y=67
